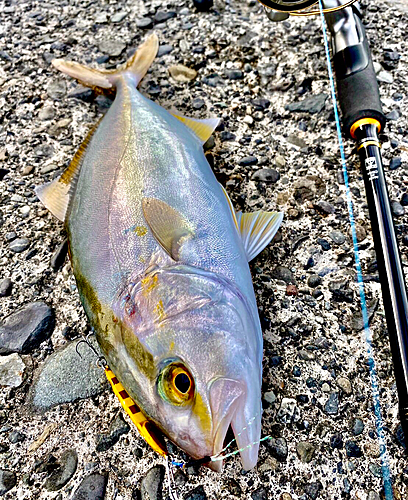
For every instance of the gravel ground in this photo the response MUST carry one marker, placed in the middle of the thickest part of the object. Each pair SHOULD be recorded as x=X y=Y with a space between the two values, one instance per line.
x=317 y=393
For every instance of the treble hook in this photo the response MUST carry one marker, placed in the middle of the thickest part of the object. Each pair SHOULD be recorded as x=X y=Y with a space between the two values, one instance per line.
x=101 y=361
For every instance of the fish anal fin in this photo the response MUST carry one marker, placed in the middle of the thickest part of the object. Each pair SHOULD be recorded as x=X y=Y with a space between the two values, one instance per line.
x=56 y=195
x=257 y=230
x=168 y=226
x=203 y=129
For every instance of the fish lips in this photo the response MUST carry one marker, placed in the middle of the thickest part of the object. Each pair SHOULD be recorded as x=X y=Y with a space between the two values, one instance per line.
x=232 y=404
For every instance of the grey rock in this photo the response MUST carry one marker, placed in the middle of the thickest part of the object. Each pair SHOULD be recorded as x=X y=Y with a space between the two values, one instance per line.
x=392 y=115
x=313 y=104
x=260 y=493
x=332 y=404
x=26 y=329
x=314 y=280
x=358 y=427
x=151 y=486
x=10 y=236
x=19 y=245
x=337 y=237
x=313 y=490
x=345 y=385
x=397 y=209
x=324 y=207
x=353 y=450
x=93 y=487
x=145 y=23
x=404 y=200
x=7 y=481
x=203 y=5
x=57 y=89
x=117 y=429
x=196 y=494
x=164 y=49
x=234 y=74
x=6 y=287
x=384 y=76
x=247 y=161
x=306 y=355
x=278 y=448
x=59 y=256
x=305 y=450
x=269 y=397
x=11 y=371
x=46 y=113
x=395 y=163
x=288 y=411
x=357 y=322
x=284 y=274
x=67 y=467
x=198 y=103
x=375 y=469
x=66 y=377
x=16 y=437
x=101 y=18
x=118 y=17
x=296 y=141
x=83 y=93
x=113 y=48
x=266 y=175
x=161 y=16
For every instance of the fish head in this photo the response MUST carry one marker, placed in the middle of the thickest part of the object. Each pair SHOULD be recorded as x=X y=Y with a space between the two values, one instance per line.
x=206 y=366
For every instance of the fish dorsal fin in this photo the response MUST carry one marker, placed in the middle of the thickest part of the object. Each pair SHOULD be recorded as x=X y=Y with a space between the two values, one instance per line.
x=231 y=206
x=56 y=195
x=168 y=226
x=201 y=128
x=257 y=230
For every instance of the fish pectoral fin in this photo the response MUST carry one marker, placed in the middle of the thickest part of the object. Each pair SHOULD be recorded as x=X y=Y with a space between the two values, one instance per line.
x=56 y=195
x=168 y=226
x=257 y=230
x=203 y=129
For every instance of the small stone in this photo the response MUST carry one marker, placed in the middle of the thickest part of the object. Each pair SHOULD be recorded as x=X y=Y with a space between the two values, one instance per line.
x=83 y=93
x=3 y=173
x=358 y=427
x=296 y=141
x=324 y=207
x=357 y=323
x=336 y=441
x=337 y=237
x=332 y=404
x=19 y=245
x=59 y=256
x=326 y=387
x=16 y=437
x=353 y=450
x=248 y=120
x=284 y=274
x=269 y=397
x=11 y=370
x=395 y=163
x=116 y=430
x=288 y=411
x=118 y=17
x=247 y=161
x=203 y=5
x=197 y=493
x=260 y=493
x=93 y=487
x=341 y=292
x=373 y=495
x=162 y=16
x=27 y=170
x=151 y=485
x=314 y=280
x=278 y=448
x=67 y=467
x=101 y=18
x=384 y=76
x=46 y=113
x=305 y=450
x=57 y=89
x=234 y=74
x=345 y=385
x=198 y=103
x=285 y=496
x=404 y=200
x=145 y=23
x=164 y=49
x=7 y=481
x=306 y=355
x=324 y=244
x=313 y=104
x=6 y=287
x=372 y=449
x=313 y=490
x=225 y=135
x=266 y=175
x=24 y=330
x=400 y=438
x=392 y=115
x=181 y=73
x=291 y=290
x=397 y=209
x=113 y=48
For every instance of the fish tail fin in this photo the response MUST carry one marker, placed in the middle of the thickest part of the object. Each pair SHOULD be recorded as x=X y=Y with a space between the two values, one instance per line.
x=137 y=66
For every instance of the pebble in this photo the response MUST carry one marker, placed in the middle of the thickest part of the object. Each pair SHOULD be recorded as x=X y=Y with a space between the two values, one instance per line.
x=59 y=256
x=314 y=280
x=353 y=450
x=332 y=404
x=117 y=429
x=373 y=495
x=404 y=200
x=392 y=115
x=341 y=292
x=324 y=207
x=247 y=161
x=11 y=370
x=336 y=441
x=162 y=16
x=278 y=448
x=145 y=23
x=266 y=175
x=384 y=76
x=66 y=377
x=324 y=244
x=260 y=493
x=16 y=437
x=151 y=485
x=358 y=427
x=118 y=16
x=181 y=73
x=6 y=287
x=288 y=411
x=164 y=49
x=313 y=490
x=57 y=89
x=93 y=487
x=345 y=385
x=305 y=450
x=269 y=397
x=372 y=449
x=397 y=209
x=395 y=163
x=337 y=237
x=3 y=173
x=197 y=493
x=83 y=93
x=234 y=74
x=19 y=245
x=113 y=48
x=296 y=141
x=284 y=274
x=306 y=355
x=46 y=113
x=67 y=465
x=203 y=5
x=101 y=18
x=313 y=104
x=285 y=496
x=24 y=330
x=7 y=481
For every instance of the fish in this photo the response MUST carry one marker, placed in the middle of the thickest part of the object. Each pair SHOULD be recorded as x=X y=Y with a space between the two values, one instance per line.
x=160 y=258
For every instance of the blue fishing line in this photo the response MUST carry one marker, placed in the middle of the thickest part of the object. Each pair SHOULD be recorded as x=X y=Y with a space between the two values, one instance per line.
x=371 y=363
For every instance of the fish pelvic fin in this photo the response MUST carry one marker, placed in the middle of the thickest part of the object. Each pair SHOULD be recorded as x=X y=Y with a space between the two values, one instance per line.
x=257 y=230
x=56 y=195
x=136 y=66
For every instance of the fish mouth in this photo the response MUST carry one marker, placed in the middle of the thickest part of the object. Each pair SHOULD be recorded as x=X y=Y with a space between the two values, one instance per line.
x=236 y=411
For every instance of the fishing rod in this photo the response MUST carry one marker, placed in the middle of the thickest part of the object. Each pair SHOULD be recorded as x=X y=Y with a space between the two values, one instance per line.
x=363 y=119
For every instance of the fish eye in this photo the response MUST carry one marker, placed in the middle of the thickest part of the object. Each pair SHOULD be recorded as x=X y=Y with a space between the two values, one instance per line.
x=176 y=384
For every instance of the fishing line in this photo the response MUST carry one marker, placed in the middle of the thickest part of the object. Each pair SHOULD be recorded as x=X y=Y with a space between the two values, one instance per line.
x=386 y=473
